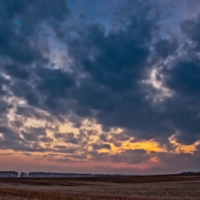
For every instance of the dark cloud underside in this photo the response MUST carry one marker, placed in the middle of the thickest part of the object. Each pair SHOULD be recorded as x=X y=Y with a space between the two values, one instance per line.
x=105 y=74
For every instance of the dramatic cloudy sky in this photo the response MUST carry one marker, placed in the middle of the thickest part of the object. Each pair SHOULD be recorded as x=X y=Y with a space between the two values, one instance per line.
x=105 y=86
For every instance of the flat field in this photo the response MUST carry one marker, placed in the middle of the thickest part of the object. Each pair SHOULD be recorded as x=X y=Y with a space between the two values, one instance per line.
x=165 y=187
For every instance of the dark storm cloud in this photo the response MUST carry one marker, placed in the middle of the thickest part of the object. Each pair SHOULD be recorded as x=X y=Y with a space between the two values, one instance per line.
x=69 y=138
x=67 y=150
x=54 y=84
x=191 y=28
x=60 y=147
x=165 y=47
x=127 y=156
x=30 y=142
x=20 y=38
x=32 y=134
x=116 y=64
x=12 y=140
x=18 y=71
x=131 y=156
x=100 y=146
x=9 y=137
x=182 y=77
x=114 y=138
x=105 y=80
x=19 y=21
x=99 y=156
x=31 y=112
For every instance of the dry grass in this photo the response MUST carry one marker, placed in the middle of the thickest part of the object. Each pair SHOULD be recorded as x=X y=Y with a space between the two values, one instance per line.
x=174 y=187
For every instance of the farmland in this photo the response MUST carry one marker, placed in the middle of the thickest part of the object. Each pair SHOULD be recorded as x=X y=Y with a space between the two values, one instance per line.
x=165 y=187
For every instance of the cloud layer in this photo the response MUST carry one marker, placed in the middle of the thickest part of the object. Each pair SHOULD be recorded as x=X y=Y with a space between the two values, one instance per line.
x=123 y=88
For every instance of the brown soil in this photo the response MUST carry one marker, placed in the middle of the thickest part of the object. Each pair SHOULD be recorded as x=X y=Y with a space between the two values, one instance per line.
x=166 y=187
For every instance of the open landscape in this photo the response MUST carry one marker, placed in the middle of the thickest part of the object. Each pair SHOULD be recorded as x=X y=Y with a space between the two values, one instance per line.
x=165 y=187
x=99 y=99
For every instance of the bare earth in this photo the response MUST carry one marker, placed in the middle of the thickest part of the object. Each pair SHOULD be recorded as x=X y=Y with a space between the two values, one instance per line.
x=168 y=187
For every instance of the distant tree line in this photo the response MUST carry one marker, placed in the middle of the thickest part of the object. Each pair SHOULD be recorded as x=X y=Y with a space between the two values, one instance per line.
x=14 y=174
x=8 y=174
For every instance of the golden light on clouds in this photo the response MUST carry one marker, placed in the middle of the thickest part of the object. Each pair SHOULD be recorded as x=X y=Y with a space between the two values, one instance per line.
x=131 y=145
x=146 y=145
x=89 y=132
x=180 y=148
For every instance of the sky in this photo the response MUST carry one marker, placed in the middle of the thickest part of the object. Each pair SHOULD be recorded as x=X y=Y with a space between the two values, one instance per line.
x=104 y=86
